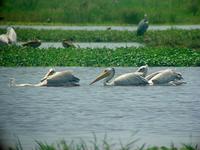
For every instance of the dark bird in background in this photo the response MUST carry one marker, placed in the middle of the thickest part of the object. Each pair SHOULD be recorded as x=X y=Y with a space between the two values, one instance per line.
x=143 y=26
x=33 y=43
x=68 y=43
x=108 y=28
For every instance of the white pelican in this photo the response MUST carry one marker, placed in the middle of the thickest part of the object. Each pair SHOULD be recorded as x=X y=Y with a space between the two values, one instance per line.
x=53 y=78
x=128 y=79
x=9 y=38
x=165 y=77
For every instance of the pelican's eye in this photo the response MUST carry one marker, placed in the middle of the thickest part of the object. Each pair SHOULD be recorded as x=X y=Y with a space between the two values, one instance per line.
x=179 y=75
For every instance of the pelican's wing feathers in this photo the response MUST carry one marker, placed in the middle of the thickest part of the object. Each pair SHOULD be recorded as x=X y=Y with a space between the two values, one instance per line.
x=65 y=78
x=163 y=77
x=150 y=76
x=130 y=79
x=3 y=39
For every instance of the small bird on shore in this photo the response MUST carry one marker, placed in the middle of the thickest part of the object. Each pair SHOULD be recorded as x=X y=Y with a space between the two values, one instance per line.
x=67 y=43
x=108 y=28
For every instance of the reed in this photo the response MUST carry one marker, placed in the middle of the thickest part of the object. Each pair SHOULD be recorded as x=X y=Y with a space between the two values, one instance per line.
x=100 y=12
x=103 y=144
x=21 y=56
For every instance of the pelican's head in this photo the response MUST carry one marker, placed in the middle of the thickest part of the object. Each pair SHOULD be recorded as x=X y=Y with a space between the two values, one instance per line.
x=10 y=29
x=145 y=19
x=107 y=73
x=49 y=73
x=12 y=36
x=179 y=76
x=143 y=70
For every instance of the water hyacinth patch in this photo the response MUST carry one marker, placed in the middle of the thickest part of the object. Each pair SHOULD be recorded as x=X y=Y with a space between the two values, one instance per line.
x=21 y=56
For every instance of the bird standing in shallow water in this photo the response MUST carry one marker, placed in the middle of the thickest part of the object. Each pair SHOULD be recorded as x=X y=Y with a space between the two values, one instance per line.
x=142 y=26
x=68 y=43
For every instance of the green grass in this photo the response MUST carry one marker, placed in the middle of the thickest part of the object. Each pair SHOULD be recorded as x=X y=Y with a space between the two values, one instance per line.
x=19 y=56
x=100 y=12
x=167 y=38
x=104 y=144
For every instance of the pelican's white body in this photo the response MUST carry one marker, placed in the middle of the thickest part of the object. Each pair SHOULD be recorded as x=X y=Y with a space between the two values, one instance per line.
x=165 y=77
x=129 y=79
x=9 y=38
x=4 y=39
x=64 y=78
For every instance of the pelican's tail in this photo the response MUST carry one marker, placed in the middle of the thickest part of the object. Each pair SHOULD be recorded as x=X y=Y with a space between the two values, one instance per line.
x=12 y=82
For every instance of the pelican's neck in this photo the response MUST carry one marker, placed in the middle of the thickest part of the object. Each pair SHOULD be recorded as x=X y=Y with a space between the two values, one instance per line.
x=107 y=80
x=11 y=35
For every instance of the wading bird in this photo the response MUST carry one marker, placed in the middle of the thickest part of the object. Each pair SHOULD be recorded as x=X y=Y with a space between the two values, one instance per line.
x=53 y=78
x=34 y=43
x=9 y=38
x=67 y=44
x=165 y=77
x=128 y=79
x=143 y=26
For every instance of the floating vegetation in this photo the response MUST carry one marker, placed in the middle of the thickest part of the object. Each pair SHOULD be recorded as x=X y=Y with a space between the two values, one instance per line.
x=24 y=56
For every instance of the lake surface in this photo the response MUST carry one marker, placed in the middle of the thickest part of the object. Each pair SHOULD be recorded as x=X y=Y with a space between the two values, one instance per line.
x=92 y=28
x=110 y=45
x=159 y=114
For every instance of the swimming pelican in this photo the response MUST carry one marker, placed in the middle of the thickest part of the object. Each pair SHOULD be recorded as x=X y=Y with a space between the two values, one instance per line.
x=142 y=71
x=9 y=38
x=53 y=78
x=165 y=77
x=128 y=79
x=143 y=26
x=34 y=43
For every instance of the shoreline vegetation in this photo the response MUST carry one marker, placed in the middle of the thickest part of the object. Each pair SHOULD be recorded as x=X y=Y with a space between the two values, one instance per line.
x=104 y=144
x=162 y=48
x=11 y=56
x=168 y=38
x=101 y=12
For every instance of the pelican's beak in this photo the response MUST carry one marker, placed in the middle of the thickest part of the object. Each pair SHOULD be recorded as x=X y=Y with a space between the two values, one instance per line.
x=101 y=76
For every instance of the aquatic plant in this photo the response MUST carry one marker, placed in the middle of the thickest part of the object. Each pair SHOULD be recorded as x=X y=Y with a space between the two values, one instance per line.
x=23 y=56
x=99 y=12
x=104 y=144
